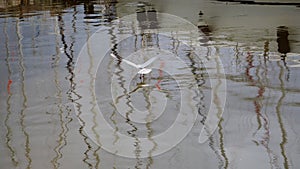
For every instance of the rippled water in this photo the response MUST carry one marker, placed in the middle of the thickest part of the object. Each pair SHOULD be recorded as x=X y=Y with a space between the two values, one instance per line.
x=259 y=46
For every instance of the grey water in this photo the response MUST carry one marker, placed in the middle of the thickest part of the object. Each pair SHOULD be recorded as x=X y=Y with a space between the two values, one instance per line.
x=258 y=44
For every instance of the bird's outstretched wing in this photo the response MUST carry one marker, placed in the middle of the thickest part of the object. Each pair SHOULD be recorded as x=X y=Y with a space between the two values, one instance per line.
x=114 y=56
x=148 y=62
x=130 y=63
x=126 y=61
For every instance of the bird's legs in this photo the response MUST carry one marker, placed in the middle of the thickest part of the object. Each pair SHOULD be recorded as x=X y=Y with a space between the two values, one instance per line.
x=142 y=77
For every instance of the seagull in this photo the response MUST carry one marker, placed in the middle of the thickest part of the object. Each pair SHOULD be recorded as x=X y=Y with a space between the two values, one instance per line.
x=143 y=70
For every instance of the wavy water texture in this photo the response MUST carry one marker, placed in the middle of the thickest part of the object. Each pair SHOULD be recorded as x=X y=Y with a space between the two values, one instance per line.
x=257 y=42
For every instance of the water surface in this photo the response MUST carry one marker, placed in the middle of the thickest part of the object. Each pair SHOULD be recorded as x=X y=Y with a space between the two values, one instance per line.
x=259 y=46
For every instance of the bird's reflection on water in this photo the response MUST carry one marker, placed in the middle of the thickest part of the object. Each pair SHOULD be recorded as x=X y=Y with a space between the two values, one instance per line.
x=39 y=47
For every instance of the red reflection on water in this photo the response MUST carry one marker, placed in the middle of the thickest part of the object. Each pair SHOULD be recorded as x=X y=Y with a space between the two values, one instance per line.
x=157 y=85
x=8 y=86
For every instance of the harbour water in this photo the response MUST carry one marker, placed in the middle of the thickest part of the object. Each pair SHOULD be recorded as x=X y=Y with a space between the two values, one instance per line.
x=43 y=123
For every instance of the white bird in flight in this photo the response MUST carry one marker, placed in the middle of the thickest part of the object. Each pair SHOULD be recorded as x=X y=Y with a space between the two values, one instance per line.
x=143 y=70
